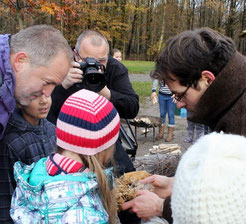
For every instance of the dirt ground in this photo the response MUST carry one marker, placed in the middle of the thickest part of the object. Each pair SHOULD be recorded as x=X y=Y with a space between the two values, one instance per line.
x=145 y=143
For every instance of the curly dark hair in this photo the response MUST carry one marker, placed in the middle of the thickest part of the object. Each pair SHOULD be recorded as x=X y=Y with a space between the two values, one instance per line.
x=189 y=53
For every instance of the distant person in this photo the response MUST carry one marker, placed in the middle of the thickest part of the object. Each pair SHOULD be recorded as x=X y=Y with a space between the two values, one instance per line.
x=28 y=138
x=195 y=130
x=72 y=185
x=32 y=62
x=167 y=107
x=116 y=53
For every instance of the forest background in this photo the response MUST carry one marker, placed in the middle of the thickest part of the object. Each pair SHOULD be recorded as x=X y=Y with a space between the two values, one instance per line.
x=139 y=28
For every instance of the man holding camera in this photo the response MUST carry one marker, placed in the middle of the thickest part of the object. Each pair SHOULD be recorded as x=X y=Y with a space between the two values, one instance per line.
x=117 y=88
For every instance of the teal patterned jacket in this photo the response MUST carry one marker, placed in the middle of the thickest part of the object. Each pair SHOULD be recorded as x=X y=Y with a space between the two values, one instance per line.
x=71 y=198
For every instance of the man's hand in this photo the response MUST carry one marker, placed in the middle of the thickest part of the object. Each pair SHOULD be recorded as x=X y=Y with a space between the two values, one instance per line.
x=146 y=205
x=74 y=76
x=163 y=185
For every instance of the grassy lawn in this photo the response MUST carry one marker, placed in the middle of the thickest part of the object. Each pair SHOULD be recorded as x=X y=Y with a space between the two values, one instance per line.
x=139 y=67
x=143 y=89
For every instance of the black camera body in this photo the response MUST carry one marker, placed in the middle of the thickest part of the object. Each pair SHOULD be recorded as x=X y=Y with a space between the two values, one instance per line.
x=93 y=74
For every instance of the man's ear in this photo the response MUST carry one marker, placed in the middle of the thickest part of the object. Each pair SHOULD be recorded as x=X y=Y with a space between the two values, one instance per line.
x=19 y=60
x=208 y=77
x=76 y=58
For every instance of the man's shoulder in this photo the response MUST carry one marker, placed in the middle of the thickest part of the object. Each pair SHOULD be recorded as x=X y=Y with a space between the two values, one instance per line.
x=4 y=38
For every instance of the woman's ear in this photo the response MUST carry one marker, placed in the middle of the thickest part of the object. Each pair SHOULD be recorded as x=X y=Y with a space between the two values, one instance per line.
x=208 y=77
x=19 y=60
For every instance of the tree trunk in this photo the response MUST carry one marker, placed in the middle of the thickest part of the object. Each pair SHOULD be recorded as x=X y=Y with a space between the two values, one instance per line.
x=19 y=15
x=135 y=17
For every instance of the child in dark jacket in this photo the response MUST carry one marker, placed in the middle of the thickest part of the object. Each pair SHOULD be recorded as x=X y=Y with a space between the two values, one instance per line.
x=28 y=138
x=72 y=185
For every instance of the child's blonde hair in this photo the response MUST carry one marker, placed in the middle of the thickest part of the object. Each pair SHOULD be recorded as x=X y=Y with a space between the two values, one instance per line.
x=97 y=163
x=106 y=191
x=88 y=125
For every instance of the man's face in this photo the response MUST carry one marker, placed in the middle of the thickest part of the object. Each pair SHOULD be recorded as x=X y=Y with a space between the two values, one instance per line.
x=32 y=82
x=191 y=96
x=100 y=53
x=37 y=109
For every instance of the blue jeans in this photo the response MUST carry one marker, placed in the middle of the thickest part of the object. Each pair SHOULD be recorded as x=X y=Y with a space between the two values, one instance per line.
x=167 y=107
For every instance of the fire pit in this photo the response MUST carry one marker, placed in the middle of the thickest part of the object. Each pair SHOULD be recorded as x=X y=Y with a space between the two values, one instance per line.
x=146 y=122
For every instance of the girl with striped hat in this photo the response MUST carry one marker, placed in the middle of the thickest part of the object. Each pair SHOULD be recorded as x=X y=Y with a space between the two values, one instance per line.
x=72 y=185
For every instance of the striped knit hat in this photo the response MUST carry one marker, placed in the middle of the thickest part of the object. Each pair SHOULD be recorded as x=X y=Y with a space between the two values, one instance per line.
x=87 y=123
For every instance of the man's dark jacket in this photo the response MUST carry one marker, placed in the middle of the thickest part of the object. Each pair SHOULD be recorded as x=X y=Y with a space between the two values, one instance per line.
x=223 y=105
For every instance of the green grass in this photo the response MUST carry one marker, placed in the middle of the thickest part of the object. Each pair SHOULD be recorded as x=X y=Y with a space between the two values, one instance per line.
x=139 y=67
x=143 y=89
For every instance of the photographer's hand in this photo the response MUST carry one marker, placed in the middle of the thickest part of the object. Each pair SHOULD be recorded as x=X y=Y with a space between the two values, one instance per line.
x=105 y=92
x=74 y=75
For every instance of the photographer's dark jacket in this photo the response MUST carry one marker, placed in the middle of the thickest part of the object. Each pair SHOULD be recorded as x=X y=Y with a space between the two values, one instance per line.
x=223 y=105
x=123 y=96
x=21 y=142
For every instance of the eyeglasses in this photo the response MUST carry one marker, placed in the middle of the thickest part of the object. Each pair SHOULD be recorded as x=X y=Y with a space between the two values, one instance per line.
x=180 y=96
x=101 y=60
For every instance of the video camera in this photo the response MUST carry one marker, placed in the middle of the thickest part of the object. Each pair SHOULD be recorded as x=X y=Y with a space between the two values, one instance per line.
x=93 y=74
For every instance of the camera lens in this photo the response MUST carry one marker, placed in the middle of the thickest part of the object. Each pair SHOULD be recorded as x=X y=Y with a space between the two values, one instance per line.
x=94 y=80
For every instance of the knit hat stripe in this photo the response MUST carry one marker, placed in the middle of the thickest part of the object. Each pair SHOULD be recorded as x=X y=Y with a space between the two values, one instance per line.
x=84 y=131
x=87 y=150
x=89 y=125
x=86 y=142
x=92 y=102
x=92 y=109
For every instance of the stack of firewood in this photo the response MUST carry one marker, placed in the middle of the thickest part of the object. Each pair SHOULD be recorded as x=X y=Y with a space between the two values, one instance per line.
x=165 y=148
x=162 y=159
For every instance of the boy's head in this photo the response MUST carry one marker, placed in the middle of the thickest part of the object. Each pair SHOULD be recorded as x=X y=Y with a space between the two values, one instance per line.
x=210 y=181
x=87 y=123
x=37 y=109
x=116 y=53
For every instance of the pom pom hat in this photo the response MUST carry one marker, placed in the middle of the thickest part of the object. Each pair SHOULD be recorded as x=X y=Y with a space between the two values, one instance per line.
x=210 y=182
x=87 y=123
